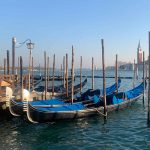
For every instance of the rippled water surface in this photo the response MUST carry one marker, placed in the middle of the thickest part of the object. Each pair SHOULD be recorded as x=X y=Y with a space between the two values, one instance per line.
x=125 y=129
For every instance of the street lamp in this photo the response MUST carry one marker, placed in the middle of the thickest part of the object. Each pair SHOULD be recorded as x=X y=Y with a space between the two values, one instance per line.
x=30 y=46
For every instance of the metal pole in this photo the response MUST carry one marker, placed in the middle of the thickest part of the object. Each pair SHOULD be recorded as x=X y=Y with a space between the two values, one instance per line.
x=72 y=88
x=104 y=82
x=92 y=73
x=148 y=117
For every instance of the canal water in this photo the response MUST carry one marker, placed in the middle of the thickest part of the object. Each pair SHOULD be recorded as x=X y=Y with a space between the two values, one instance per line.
x=124 y=130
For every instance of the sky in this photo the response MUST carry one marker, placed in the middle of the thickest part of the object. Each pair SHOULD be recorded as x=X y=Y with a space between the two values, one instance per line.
x=55 y=25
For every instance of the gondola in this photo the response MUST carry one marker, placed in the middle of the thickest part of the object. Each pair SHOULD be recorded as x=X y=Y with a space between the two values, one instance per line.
x=16 y=106
x=41 y=88
x=98 y=92
x=47 y=113
x=16 y=103
x=56 y=78
x=60 y=91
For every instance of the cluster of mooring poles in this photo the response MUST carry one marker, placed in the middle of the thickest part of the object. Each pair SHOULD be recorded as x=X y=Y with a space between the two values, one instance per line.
x=64 y=73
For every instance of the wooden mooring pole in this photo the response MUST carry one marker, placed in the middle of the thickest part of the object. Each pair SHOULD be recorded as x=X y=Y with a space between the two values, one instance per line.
x=64 y=71
x=13 y=61
x=61 y=74
x=148 y=116
x=48 y=71
x=53 y=75
x=32 y=74
x=8 y=62
x=146 y=71
x=18 y=65
x=4 y=66
x=92 y=73
x=116 y=72
x=80 y=74
x=45 y=69
x=66 y=75
x=134 y=74
x=72 y=87
x=104 y=81
x=21 y=77
x=143 y=75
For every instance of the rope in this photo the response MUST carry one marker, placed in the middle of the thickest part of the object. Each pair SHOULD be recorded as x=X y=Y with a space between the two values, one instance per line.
x=100 y=112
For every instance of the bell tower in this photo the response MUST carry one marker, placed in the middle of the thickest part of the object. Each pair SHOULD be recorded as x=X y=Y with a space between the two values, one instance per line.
x=139 y=54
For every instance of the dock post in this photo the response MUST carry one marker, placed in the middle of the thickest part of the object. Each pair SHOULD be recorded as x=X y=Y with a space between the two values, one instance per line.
x=116 y=72
x=148 y=116
x=64 y=72
x=32 y=75
x=45 y=69
x=13 y=54
x=104 y=81
x=48 y=71
x=92 y=73
x=4 y=66
x=67 y=75
x=53 y=75
x=8 y=62
x=143 y=75
x=21 y=77
x=61 y=74
x=134 y=74
x=72 y=68
x=81 y=75
x=13 y=61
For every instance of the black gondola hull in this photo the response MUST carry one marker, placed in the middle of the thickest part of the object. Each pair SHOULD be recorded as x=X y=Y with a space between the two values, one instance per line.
x=49 y=116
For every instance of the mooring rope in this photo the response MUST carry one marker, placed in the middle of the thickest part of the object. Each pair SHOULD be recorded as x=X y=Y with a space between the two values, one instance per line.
x=100 y=112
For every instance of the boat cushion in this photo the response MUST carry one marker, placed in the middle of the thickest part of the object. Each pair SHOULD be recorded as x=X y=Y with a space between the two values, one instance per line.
x=48 y=102
x=95 y=99
x=68 y=107
x=116 y=100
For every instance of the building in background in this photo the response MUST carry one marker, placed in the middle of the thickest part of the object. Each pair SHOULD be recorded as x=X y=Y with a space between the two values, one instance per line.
x=139 y=65
x=139 y=54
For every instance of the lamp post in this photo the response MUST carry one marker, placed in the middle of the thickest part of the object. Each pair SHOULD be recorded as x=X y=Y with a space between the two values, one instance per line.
x=30 y=46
